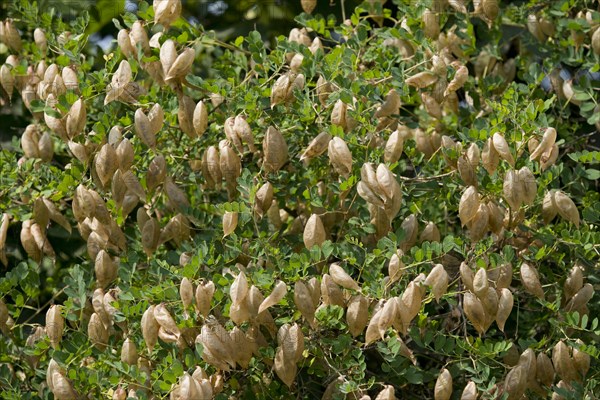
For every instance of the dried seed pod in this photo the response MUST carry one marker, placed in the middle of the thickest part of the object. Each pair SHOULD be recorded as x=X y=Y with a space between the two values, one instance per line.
x=28 y=241
x=7 y=80
x=186 y=293
x=466 y=171
x=340 y=156
x=263 y=198
x=143 y=128
x=185 y=115
x=528 y=185
x=478 y=226
x=548 y=140
x=317 y=146
x=342 y=278
x=105 y=269
x=386 y=181
x=97 y=332
x=61 y=387
x=314 y=232
x=275 y=150
x=515 y=382
x=164 y=318
x=390 y=106
x=438 y=280
x=411 y=227
x=305 y=302
x=581 y=298
x=357 y=314
x=150 y=328
x=230 y=220
x=501 y=146
x=181 y=66
x=573 y=283
x=490 y=157
x=443 y=386
x=157 y=172
x=204 y=295
x=55 y=325
x=566 y=207
x=396 y=266
x=581 y=361
x=505 y=305
x=475 y=312
x=431 y=24
x=513 y=189
x=166 y=12
x=411 y=299
x=469 y=205
x=470 y=390
x=480 y=282
x=242 y=130
x=275 y=297
x=393 y=147
x=460 y=77
x=177 y=197
x=106 y=163
x=531 y=280
x=422 y=80
x=129 y=354
x=563 y=363
x=544 y=370
x=76 y=118
x=549 y=208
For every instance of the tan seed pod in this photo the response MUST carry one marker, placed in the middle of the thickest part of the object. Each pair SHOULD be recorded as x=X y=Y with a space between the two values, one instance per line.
x=185 y=115
x=357 y=314
x=528 y=185
x=340 y=156
x=69 y=78
x=165 y=13
x=12 y=37
x=239 y=288
x=308 y=5
x=204 y=295
x=443 y=386
x=373 y=332
x=263 y=198
x=314 y=232
x=279 y=90
x=186 y=293
x=410 y=226
x=480 y=282
x=438 y=280
x=181 y=66
x=29 y=242
x=549 y=157
x=501 y=146
x=275 y=297
x=324 y=89
x=150 y=236
x=331 y=292
x=563 y=363
x=342 y=278
x=544 y=370
x=157 y=172
x=466 y=171
x=76 y=118
x=460 y=77
x=390 y=106
x=317 y=146
x=200 y=118
x=97 y=332
x=164 y=318
x=581 y=298
x=432 y=106
x=338 y=114
x=581 y=361
x=490 y=157
x=548 y=140
x=422 y=80
x=478 y=226
x=275 y=150
x=304 y=302
x=387 y=393
x=505 y=305
x=150 y=328
x=467 y=276
x=515 y=382
x=124 y=43
x=55 y=325
x=393 y=147
x=531 y=281
x=470 y=390
x=242 y=129
x=549 y=208
x=566 y=207
x=156 y=117
x=30 y=141
x=7 y=80
x=573 y=283
x=106 y=163
x=411 y=300
x=105 y=269
x=230 y=220
x=177 y=197
x=138 y=35
x=396 y=266
x=469 y=205
x=61 y=387
x=143 y=129
x=129 y=354
x=475 y=312
x=386 y=181
x=513 y=189
x=125 y=154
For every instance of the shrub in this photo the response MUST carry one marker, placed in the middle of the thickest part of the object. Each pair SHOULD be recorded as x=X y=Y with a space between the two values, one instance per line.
x=404 y=204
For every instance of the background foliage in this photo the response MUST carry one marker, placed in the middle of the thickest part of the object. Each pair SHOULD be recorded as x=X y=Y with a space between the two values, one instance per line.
x=530 y=66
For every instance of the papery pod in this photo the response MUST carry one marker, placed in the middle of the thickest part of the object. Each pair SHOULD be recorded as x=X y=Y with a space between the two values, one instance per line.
x=185 y=115
x=388 y=393
x=285 y=368
x=143 y=129
x=581 y=298
x=278 y=293
x=243 y=347
x=581 y=360
x=29 y=242
x=573 y=283
x=411 y=300
x=186 y=293
x=204 y=295
x=138 y=35
x=505 y=305
x=373 y=332
x=438 y=280
x=239 y=288
x=200 y=118
x=12 y=37
x=244 y=132
x=157 y=172
x=469 y=392
x=478 y=226
x=232 y=136
x=432 y=106
x=30 y=141
x=563 y=363
x=410 y=226
x=548 y=140
x=46 y=147
x=331 y=292
x=566 y=207
x=431 y=24
x=466 y=171
x=125 y=154
x=480 y=282
x=490 y=157
x=279 y=90
x=105 y=269
x=422 y=80
x=324 y=89
x=3 y=259
x=217 y=345
x=549 y=208
x=41 y=240
x=393 y=147
x=468 y=205
x=124 y=43
x=513 y=189
x=69 y=78
x=460 y=77
x=61 y=387
x=97 y=332
x=544 y=370
x=388 y=316
x=531 y=281
x=390 y=106
x=168 y=55
x=189 y=388
x=156 y=117
x=150 y=328
x=55 y=325
x=230 y=166
x=166 y=12
x=501 y=146
x=528 y=185
x=164 y=318
x=396 y=266
x=106 y=163
x=474 y=311
x=7 y=81
x=230 y=220
x=342 y=278
x=564 y=386
x=263 y=198
x=548 y=158
x=317 y=146
x=129 y=354
x=386 y=181
x=515 y=382
x=177 y=197
x=338 y=114
x=304 y=301
x=314 y=232
x=443 y=386
x=76 y=118
x=150 y=236
x=275 y=150
x=211 y=166
x=357 y=314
